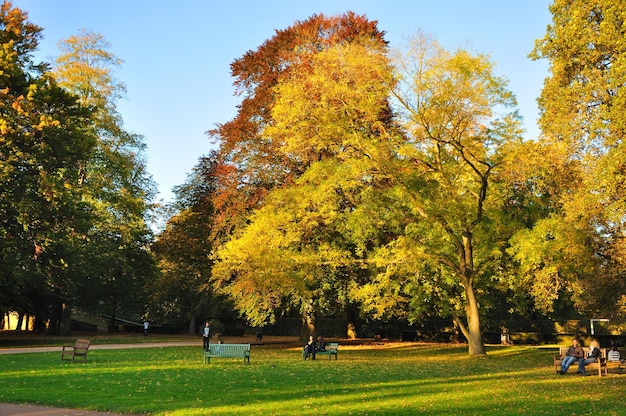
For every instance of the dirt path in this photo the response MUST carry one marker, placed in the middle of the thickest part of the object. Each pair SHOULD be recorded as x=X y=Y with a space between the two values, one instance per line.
x=25 y=350
x=29 y=410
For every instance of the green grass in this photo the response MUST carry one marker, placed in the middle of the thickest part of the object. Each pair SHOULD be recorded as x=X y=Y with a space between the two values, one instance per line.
x=393 y=379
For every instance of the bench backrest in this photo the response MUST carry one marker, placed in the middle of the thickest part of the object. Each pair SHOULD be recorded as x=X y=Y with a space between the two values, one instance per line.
x=229 y=349
x=563 y=351
x=332 y=346
x=82 y=344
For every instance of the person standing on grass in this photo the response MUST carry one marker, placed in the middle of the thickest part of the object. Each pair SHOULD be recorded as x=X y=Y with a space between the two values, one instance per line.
x=146 y=325
x=206 y=335
x=592 y=357
x=574 y=353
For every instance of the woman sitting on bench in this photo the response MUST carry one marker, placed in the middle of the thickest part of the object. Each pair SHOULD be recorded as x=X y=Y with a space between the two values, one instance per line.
x=592 y=357
x=310 y=348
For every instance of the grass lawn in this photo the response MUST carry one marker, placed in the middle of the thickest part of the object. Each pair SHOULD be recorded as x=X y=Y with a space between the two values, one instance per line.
x=390 y=379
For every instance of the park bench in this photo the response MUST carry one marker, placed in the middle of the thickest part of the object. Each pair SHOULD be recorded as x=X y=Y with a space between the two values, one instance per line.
x=78 y=350
x=228 y=351
x=600 y=364
x=331 y=349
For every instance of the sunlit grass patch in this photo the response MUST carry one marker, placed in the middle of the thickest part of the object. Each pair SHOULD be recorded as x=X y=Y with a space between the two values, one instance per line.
x=391 y=379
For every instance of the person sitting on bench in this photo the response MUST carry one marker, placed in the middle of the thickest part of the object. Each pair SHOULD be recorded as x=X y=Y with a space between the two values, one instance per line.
x=613 y=355
x=592 y=357
x=574 y=353
x=310 y=348
x=321 y=344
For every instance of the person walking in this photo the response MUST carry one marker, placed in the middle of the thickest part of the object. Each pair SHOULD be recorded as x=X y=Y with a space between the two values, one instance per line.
x=206 y=335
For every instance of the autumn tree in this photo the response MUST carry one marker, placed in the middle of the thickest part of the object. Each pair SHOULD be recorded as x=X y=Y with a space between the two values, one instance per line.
x=435 y=175
x=251 y=162
x=428 y=241
x=579 y=248
x=458 y=117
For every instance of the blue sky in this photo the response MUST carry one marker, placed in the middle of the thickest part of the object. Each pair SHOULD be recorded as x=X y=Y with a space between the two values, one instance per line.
x=177 y=54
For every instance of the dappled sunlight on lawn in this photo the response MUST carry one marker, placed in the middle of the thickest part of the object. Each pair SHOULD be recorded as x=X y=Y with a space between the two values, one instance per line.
x=389 y=379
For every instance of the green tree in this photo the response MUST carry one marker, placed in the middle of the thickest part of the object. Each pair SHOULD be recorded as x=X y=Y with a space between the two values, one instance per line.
x=458 y=119
x=45 y=137
x=183 y=250
x=115 y=180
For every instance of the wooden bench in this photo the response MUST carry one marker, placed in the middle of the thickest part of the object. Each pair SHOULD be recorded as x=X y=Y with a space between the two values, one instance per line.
x=228 y=351
x=331 y=349
x=79 y=349
x=600 y=364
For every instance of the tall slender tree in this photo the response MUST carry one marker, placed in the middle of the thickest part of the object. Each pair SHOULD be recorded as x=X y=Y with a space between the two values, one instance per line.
x=115 y=180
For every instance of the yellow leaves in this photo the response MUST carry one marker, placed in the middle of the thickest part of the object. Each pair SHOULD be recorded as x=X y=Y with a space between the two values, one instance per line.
x=46 y=121
x=18 y=105
x=342 y=95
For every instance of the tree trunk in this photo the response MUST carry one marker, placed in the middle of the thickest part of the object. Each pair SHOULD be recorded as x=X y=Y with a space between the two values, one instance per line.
x=472 y=331
x=308 y=323
x=192 y=325
x=20 y=317
x=474 y=336
x=113 y=320
x=55 y=317
x=66 y=319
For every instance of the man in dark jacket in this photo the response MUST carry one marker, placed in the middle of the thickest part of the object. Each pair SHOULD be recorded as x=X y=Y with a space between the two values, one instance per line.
x=574 y=353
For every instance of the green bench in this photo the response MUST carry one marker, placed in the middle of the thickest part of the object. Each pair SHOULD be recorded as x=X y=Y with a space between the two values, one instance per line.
x=228 y=351
x=331 y=349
